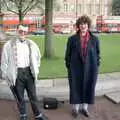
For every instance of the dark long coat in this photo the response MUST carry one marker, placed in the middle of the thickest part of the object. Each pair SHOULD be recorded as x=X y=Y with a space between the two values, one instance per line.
x=82 y=76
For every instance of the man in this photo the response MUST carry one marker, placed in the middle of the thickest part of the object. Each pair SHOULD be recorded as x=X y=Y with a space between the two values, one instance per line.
x=20 y=64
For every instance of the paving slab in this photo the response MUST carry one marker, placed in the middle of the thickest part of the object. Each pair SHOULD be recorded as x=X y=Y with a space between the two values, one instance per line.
x=44 y=83
x=115 y=75
x=104 y=77
x=60 y=82
x=114 y=96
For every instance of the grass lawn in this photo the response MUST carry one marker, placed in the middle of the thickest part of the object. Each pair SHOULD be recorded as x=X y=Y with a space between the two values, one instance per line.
x=110 y=55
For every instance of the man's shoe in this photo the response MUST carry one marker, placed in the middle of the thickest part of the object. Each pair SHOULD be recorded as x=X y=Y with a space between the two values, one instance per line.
x=75 y=113
x=43 y=117
x=85 y=113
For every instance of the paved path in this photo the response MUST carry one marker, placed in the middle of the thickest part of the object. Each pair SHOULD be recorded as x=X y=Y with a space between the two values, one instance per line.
x=102 y=110
x=107 y=83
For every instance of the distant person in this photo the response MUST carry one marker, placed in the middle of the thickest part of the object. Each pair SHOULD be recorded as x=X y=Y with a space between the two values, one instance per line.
x=82 y=61
x=20 y=64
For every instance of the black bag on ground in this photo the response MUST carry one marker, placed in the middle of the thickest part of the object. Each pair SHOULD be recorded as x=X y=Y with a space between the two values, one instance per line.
x=50 y=103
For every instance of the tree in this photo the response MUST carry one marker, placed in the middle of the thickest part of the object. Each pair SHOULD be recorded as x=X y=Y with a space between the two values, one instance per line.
x=41 y=6
x=0 y=6
x=21 y=7
x=116 y=7
x=49 y=50
x=1 y=14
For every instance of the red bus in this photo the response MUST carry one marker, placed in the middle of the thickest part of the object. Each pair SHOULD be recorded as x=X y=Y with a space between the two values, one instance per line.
x=11 y=25
x=62 y=22
x=108 y=24
x=10 y=21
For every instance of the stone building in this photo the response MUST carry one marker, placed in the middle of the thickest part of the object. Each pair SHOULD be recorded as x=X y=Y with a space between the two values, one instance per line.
x=92 y=8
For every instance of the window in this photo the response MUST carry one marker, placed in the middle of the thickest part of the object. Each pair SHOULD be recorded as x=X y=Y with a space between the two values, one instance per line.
x=98 y=9
x=79 y=8
x=89 y=9
x=72 y=7
x=65 y=7
x=97 y=1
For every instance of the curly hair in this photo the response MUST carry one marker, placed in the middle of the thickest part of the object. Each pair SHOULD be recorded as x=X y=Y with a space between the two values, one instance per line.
x=83 y=19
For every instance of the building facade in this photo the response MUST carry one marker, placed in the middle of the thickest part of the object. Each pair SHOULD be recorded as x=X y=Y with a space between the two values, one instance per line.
x=92 y=8
x=66 y=15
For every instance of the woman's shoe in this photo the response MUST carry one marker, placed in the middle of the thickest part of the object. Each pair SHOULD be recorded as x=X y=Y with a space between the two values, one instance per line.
x=85 y=113
x=75 y=113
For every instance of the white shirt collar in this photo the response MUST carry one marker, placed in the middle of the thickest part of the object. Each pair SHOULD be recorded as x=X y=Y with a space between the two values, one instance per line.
x=19 y=41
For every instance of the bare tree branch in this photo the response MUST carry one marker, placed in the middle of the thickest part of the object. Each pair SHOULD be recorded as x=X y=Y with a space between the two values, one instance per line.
x=28 y=8
x=20 y=7
x=5 y=2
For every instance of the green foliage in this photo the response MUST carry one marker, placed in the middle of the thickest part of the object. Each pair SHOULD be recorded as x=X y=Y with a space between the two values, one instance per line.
x=116 y=7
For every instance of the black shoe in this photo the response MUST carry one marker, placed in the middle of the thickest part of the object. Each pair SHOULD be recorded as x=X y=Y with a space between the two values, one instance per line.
x=75 y=113
x=85 y=113
x=43 y=117
x=23 y=118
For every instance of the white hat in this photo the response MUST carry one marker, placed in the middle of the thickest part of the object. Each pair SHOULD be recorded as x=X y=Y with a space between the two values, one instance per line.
x=24 y=28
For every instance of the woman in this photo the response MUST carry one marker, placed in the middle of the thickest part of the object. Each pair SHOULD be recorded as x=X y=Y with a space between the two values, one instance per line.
x=82 y=61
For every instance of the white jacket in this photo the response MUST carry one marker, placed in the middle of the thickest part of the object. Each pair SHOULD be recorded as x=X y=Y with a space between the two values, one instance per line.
x=8 y=63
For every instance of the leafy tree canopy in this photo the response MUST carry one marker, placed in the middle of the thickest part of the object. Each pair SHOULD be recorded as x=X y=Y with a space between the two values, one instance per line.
x=116 y=7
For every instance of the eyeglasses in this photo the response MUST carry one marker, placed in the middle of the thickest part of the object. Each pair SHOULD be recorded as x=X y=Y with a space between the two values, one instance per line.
x=23 y=32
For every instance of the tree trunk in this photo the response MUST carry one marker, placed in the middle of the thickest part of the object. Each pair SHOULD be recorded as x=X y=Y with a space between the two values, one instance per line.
x=49 y=50
x=1 y=16
x=20 y=17
x=1 y=20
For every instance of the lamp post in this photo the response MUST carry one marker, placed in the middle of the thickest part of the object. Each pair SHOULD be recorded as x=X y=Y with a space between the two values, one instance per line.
x=76 y=9
x=101 y=12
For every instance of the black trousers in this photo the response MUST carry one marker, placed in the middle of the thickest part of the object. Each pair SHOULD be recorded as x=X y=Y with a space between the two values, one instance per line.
x=26 y=81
